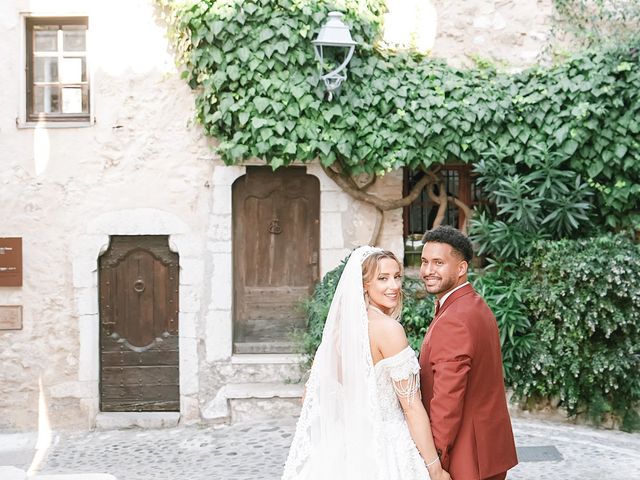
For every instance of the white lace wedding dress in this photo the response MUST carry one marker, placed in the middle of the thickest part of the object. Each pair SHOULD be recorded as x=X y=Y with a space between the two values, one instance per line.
x=401 y=459
x=396 y=456
x=352 y=426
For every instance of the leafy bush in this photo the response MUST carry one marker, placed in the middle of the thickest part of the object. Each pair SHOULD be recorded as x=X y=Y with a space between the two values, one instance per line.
x=417 y=311
x=504 y=289
x=537 y=197
x=317 y=308
x=584 y=304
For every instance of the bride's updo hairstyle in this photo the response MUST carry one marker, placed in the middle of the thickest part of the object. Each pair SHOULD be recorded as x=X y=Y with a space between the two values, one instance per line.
x=370 y=269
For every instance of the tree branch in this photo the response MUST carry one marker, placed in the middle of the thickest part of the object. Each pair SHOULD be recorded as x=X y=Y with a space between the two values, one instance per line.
x=378 y=202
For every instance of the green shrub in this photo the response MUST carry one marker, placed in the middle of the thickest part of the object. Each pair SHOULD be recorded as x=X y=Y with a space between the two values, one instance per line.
x=538 y=197
x=417 y=311
x=504 y=288
x=584 y=305
x=317 y=308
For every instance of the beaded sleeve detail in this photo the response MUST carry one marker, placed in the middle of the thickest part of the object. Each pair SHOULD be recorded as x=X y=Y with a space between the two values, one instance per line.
x=404 y=371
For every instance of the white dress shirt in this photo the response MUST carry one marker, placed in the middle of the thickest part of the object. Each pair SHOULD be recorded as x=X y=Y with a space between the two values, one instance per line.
x=446 y=295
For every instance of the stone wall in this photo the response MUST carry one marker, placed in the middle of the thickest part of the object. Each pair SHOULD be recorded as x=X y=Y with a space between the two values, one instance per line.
x=510 y=34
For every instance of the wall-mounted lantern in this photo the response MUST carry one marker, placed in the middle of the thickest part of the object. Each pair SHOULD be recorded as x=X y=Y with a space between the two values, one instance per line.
x=334 y=33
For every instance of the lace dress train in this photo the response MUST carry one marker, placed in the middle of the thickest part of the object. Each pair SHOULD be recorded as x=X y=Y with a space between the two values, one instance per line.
x=395 y=457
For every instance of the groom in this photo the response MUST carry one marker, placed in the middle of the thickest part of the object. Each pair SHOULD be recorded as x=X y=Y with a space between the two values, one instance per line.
x=461 y=367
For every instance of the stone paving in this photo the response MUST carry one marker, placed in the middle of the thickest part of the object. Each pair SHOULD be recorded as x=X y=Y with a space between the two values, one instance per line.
x=252 y=451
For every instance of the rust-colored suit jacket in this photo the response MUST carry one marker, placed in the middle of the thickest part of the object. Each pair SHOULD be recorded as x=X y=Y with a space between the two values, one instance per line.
x=463 y=389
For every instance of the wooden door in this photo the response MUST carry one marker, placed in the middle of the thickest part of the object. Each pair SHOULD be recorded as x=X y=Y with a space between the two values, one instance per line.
x=276 y=228
x=138 y=278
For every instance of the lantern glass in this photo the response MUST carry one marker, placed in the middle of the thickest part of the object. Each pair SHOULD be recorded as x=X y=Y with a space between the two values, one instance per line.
x=334 y=48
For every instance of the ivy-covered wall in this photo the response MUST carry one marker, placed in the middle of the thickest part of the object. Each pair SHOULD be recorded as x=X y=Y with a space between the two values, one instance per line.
x=258 y=93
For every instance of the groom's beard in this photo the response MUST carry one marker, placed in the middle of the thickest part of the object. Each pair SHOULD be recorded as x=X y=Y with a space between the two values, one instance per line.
x=437 y=285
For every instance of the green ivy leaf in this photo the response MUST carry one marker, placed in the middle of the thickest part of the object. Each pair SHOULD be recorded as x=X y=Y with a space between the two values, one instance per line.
x=233 y=71
x=243 y=54
x=261 y=103
x=258 y=123
x=621 y=150
x=297 y=91
x=265 y=34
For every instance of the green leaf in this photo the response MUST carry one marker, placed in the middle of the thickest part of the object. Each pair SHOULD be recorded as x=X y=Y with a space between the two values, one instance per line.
x=621 y=150
x=261 y=103
x=243 y=54
x=216 y=27
x=570 y=147
x=293 y=109
x=216 y=55
x=233 y=72
x=325 y=147
x=282 y=47
x=258 y=123
x=243 y=117
x=561 y=134
x=595 y=168
x=297 y=91
x=334 y=111
x=249 y=7
x=265 y=34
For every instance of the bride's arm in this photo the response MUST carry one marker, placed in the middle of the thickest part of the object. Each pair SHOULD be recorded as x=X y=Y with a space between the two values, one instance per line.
x=420 y=429
x=391 y=340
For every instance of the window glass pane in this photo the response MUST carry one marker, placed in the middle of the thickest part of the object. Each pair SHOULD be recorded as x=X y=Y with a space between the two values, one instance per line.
x=46 y=69
x=74 y=38
x=72 y=70
x=71 y=100
x=46 y=99
x=45 y=38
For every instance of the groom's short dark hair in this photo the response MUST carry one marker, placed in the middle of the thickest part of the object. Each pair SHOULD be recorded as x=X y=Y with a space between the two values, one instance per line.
x=454 y=237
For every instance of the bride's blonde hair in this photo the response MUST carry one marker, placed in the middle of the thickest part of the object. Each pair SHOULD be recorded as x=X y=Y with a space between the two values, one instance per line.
x=371 y=267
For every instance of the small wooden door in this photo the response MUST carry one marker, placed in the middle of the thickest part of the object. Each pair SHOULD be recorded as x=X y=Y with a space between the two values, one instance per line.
x=276 y=228
x=138 y=278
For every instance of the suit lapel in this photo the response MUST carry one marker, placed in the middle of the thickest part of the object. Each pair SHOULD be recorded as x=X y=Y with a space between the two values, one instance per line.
x=461 y=292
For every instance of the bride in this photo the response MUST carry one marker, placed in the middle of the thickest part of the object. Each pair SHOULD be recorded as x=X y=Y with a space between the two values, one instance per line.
x=362 y=416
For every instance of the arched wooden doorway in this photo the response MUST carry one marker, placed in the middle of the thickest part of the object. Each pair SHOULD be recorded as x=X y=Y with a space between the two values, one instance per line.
x=276 y=238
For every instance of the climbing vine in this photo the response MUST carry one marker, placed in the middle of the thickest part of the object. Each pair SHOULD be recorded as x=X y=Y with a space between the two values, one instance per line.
x=257 y=91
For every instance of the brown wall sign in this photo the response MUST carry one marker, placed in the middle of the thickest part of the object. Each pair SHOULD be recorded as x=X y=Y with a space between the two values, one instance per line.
x=10 y=317
x=10 y=262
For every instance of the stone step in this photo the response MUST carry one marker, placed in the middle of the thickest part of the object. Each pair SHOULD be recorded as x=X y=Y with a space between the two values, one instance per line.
x=264 y=368
x=254 y=401
x=120 y=420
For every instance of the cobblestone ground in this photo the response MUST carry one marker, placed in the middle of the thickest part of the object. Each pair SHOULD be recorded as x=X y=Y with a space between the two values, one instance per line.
x=253 y=451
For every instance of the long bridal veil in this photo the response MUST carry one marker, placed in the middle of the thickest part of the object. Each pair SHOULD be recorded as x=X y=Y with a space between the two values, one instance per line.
x=336 y=436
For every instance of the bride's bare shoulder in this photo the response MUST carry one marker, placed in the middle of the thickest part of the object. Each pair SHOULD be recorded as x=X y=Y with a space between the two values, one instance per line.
x=387 y=333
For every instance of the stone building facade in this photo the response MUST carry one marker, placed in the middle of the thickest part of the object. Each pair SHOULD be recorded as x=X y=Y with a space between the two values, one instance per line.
x=137 y=165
